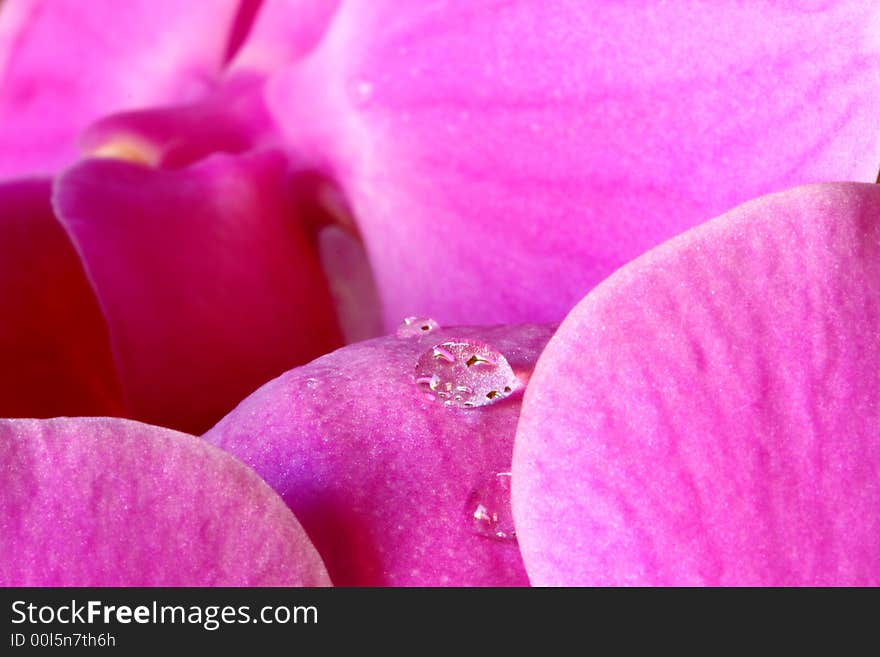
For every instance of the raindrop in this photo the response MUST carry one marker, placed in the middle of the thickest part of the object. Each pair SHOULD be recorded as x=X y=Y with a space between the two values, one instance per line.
x=470 y=374
x=416 y=326
x=488 y=508
x=312 y=382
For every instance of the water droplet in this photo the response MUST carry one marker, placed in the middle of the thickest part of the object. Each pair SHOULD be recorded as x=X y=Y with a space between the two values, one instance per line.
x=488 y=508
x=312 y=382
x=415 y=326
x=470 y=374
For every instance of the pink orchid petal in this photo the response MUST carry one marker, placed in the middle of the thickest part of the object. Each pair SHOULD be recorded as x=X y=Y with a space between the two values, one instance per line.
x=209 y=285
x=379 y=476
x=282 y=31
x=523 y=151
x=232 y=119
x=711 y=413
x=351 y=284
x=54 y=351
x=108 y=502
x=248 y=10
x=64 y=63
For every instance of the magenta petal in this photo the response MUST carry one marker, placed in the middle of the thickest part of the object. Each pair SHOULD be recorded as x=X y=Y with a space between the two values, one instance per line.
x=209 y=285
x=380 y=477
x=283 y=31
x=54 y=350
x=524 y=151
x=63 y=64
x=233 y=118
x=351 y=284
x=711 y=413
x=107 y=502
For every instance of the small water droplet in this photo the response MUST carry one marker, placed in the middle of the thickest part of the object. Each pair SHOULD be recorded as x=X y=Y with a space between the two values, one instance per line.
x=488 y=508
x=312 y=382
x=416 y=326
x=471 y=374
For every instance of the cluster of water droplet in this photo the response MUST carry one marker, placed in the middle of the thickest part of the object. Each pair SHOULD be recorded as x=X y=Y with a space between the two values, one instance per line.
x=464 y=374
x=488 y=508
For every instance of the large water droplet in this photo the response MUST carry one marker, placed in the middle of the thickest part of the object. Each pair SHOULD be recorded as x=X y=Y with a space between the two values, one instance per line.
x=415 y=326
x=469 y=373
x=488 y=508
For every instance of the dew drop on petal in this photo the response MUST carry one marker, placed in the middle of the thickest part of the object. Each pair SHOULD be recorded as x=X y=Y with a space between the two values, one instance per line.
x=412 y=327
x=312 y=382
x=488 y=508
x=469 y=374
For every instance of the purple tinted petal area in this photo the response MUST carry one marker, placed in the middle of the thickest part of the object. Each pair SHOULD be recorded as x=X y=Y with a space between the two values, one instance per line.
x=209 y=285
x=524 y=151
x=711 y=413
x=55 y=354
x=63 y=64
x=380 y=476
x=109 y=502
x=232 y=118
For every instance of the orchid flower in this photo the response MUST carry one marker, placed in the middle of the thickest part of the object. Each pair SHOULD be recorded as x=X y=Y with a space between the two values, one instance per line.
x=196 y=201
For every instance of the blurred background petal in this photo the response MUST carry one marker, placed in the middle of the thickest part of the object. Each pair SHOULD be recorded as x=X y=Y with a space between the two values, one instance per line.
x=64 y=64
x=503 y=158
x=55 y=356
x=209 y=283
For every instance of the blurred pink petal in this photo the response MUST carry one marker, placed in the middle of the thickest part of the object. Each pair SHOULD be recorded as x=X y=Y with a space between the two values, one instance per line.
x=209 y=285
x=54 y=353
x=65 y=63
x=106 y=502
x=711 y=413
x=351 y=284
x=523 y=151
x=247 y=13
x=233 y=118
x=283 y=31
x=380 y=477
